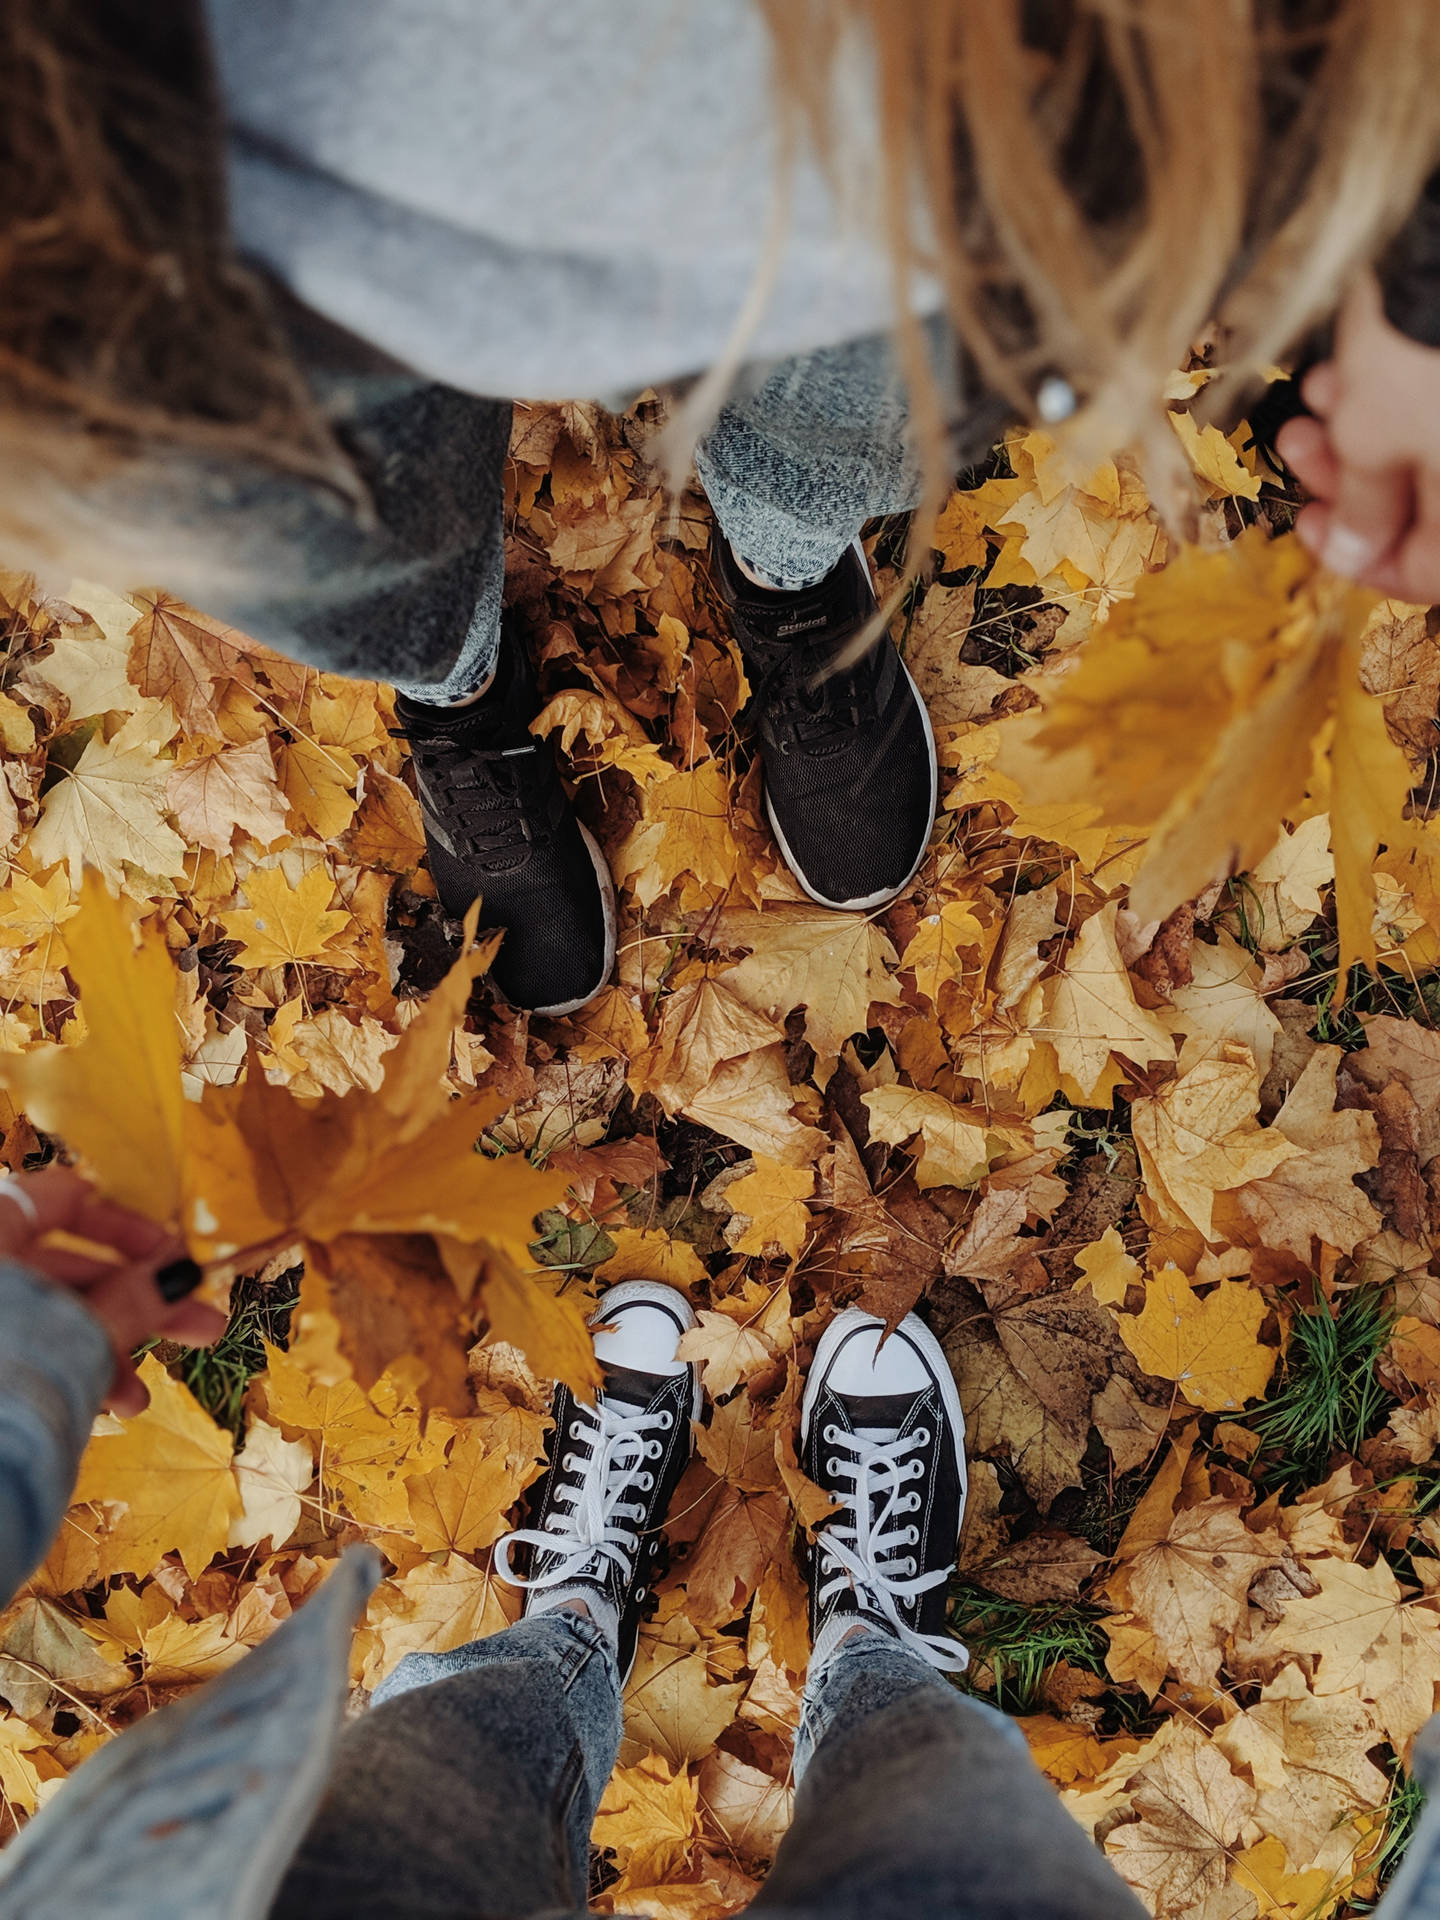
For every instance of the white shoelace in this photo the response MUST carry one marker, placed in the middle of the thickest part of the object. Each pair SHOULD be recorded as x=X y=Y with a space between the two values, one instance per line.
x=862 y=1543
x=592 y=1523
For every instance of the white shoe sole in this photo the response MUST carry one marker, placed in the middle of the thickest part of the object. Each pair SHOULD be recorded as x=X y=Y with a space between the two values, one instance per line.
x=853 y=1320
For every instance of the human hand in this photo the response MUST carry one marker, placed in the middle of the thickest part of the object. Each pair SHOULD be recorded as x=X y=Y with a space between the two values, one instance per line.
x=1372 y=457
x=120 y=1291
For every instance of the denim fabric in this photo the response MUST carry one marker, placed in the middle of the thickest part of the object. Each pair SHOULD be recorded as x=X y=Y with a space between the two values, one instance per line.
x=470 y=1786
x=914 y=1798
x=469 y=1791
x=55 y=1362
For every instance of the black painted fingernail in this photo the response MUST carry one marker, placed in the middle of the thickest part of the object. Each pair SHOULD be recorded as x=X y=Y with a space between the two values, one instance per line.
x=178 y=1277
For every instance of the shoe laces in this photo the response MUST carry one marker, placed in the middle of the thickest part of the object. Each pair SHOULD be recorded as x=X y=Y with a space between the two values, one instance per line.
x=590 y=1522
x=813 y=702
x=489 y=793
x=861 y=1546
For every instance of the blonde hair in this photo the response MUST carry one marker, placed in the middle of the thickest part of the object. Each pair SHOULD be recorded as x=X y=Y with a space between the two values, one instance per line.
x=1104 y=178
x=1091 y=181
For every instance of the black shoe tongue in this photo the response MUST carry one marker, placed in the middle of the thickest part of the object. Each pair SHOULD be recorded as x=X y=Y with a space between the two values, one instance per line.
x=629 y=1385
x=887 y=1412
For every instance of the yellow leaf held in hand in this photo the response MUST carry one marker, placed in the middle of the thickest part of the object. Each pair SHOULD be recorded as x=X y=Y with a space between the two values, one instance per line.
x=1195 y=714
x=285 y=923
x=1210 y=1347
x=171 y=1468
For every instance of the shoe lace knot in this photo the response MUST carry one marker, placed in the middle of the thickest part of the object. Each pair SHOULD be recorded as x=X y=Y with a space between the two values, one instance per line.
x=488 y=792
x=817 y=702
x=591 y=1522
x=861 y=1547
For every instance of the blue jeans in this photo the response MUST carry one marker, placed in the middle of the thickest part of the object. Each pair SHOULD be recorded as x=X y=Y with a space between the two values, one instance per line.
x=469 y=1788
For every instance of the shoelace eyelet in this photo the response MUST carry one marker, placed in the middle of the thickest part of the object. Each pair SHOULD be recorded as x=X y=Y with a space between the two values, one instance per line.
x=666 y=1419
x=645 y=1481
x=921 y=1436
x=653 y=1449
x=831 y=1435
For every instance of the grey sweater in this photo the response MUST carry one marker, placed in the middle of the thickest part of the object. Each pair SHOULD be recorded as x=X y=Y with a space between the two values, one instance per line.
x=547 y=198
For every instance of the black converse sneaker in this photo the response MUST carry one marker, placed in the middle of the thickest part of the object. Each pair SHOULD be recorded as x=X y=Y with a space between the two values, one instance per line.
x=882 y=1432
x=595 y=1516
x=849 y=756
x=498 y=824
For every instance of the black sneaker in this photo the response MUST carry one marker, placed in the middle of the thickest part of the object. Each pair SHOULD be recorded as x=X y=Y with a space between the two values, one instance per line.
x=849 y=756
x=498 y=823
x=594 y=1518
x=882 y=1432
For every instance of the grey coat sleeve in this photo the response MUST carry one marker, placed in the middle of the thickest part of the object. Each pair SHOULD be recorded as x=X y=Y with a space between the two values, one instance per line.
x=55 y=1364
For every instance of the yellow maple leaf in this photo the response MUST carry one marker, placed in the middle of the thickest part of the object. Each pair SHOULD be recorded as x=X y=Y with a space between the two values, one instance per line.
x=648 y=1817
x=171 y=1468
x=19 y=1777
x=1196 y=714
x=1209 y=1347
x=461 y=1506
x=1093 y=1012
x=1108 y=1269
x=684 y=833
x=110 y=812
x=319 y=786
x=771 y=1200
x=1199 y=1136
x=954 y=1149
x=1215 y=459
x=116 y=1097
x=834 y=965
x=285 y=923
x=224 y=790
x=648 y=1254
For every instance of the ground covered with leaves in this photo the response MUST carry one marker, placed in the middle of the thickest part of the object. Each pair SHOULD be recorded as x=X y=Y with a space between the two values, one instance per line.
x=1088 y=1094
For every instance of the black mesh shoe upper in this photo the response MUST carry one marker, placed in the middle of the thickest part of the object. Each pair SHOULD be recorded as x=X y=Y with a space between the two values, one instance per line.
x=498 y=823
x=850 y=772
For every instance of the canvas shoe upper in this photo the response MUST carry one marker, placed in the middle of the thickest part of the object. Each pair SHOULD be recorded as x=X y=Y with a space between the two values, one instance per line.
x=498 y=823
x=848 y=753
x=593 y=1521
x=882 y=1432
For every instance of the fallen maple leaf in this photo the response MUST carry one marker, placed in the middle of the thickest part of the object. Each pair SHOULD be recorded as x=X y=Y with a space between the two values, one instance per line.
x=271 y=1473
x=171 y=1468
x=285 y=923
x=116 y=1095
x=769 y=1215
x=111 y=811
x=1209 y=1346
x=225 y=790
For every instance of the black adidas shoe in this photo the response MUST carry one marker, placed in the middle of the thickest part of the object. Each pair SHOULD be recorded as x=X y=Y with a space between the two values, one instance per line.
x=882 y=1432
x=594 y=1519
x=498 y=823
x=849 y=756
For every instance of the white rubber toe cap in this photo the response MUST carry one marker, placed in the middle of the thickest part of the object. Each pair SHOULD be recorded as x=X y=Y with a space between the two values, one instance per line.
x=638 y=1325
x=866 y=1363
